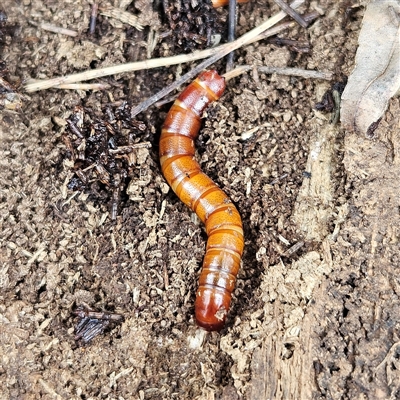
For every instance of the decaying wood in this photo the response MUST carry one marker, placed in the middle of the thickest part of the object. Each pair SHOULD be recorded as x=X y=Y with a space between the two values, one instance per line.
x=314 y=209
x=376 y=76
x=282 y=368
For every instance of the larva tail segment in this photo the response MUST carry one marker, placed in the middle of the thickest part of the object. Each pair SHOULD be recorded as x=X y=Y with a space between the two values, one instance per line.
x=223 y=223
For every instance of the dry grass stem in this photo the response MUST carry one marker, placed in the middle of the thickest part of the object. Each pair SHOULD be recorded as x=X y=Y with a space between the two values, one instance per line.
x=58 y=29
x=220 y=51
x=284 y=25
x=289 y=11
x=84 y=86
x=304 y=73
x=246 y=38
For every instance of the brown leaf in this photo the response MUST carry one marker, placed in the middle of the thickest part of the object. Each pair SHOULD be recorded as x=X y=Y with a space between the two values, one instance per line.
x=376 y=76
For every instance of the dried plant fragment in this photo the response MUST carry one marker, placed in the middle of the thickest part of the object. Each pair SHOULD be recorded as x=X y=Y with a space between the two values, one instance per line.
x=192 y=24
x=91 y=323
x=376 y=76
x=122 y=16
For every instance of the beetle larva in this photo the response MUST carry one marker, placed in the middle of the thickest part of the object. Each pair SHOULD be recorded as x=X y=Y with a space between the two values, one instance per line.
x=222 y=220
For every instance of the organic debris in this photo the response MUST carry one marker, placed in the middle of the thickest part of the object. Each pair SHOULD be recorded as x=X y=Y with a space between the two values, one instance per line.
x=191 y=24
x=10 y=99
x=6 y=30
x=91 y=323
x=103 y=151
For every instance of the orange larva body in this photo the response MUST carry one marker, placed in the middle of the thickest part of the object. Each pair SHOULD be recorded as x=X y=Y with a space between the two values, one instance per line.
x=222 y=220
x=221 y=3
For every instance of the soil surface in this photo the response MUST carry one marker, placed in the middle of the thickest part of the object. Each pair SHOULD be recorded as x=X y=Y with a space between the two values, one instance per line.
x=320 y=322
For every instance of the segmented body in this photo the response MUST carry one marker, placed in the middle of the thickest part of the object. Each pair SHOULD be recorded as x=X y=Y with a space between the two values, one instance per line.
x=221 y=218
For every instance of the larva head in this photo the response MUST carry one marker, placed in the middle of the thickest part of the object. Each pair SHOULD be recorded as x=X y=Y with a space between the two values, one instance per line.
x=211 y=307
x=213 y=81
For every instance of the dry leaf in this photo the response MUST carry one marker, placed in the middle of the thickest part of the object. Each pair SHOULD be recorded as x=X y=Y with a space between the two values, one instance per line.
x=376 y=77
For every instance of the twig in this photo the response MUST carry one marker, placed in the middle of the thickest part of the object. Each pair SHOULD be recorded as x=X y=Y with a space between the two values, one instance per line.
x=93 y=18
x=85 y=86
x=163 y=92
x=389 y=354
x=250 y=133
x=284 y=25
x=294 y=45
x=58 y=29
x=224 y=49
x=247 y=37
x=129 y=148
x=279 y=178
x=231 y=32
x=293 y=249
x=304 y=73
x=166 y=100
x=289 y=11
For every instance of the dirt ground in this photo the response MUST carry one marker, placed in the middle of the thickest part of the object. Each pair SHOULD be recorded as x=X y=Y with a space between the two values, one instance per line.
x=320 y=323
